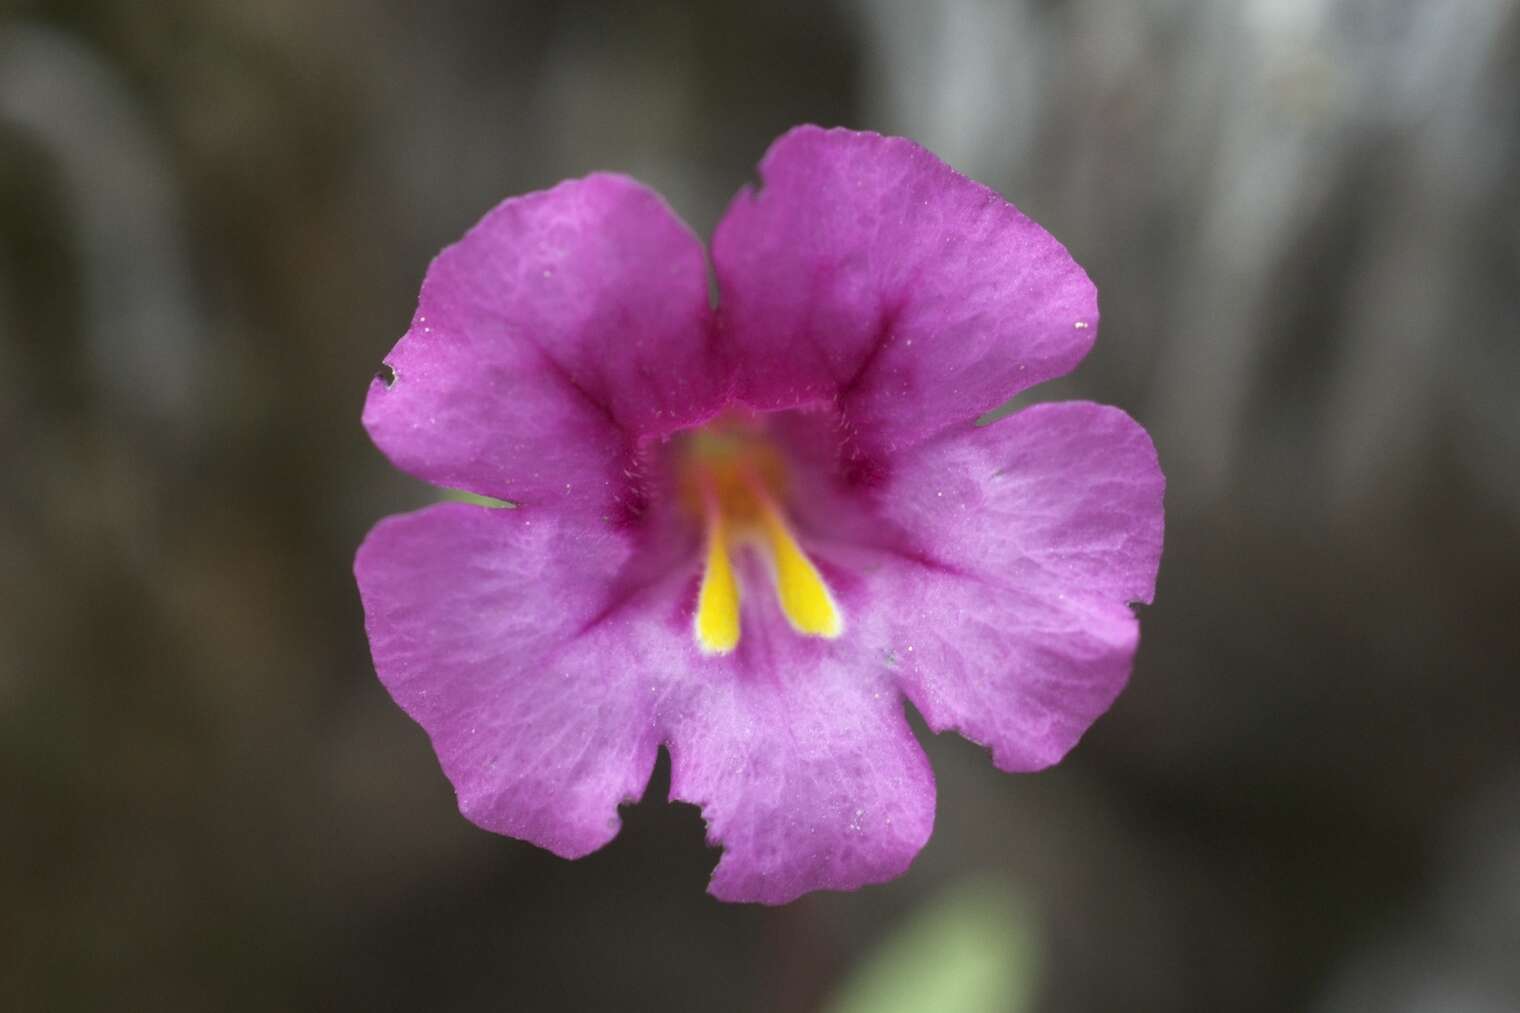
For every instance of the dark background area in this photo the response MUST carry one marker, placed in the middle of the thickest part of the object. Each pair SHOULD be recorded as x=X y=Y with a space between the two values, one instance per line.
x=1302 y=219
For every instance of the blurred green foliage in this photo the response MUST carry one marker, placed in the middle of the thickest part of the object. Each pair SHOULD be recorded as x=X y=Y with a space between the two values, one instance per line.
x=973 y=949
x=464 y=496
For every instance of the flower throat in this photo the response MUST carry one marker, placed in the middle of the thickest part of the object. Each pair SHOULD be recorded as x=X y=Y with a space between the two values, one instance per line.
x=732 y=478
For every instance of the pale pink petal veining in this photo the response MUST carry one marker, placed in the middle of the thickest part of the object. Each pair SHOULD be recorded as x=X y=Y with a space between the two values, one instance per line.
x=866 y=273
x=1001 y=594
x=563 y=328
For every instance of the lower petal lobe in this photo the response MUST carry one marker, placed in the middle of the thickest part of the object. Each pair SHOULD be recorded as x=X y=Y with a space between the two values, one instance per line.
x=547 y=687
x=800 y=756
x=483 y=625
x=1008 y=620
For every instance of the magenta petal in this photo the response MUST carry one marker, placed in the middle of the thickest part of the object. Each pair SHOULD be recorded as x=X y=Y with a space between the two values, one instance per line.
x=561 y=329
x=868 y=273
x=1009 y=623
x=547 y=690
x=482 y=626
x=809 y=778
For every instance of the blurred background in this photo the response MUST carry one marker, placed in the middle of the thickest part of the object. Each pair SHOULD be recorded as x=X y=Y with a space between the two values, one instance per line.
x=1303 y=217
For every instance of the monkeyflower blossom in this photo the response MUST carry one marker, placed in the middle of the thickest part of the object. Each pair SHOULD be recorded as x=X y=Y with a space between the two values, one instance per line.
x=747 y=531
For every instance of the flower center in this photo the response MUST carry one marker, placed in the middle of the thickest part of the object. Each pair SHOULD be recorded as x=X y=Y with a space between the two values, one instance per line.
x=732 y=478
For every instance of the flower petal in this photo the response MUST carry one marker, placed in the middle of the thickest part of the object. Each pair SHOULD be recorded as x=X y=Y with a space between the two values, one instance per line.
x=1005 y=617
x=867 y=272
x=547 y=686
x=561 y=329
x=1064 y=496
x=483 y=626
x=798 y=752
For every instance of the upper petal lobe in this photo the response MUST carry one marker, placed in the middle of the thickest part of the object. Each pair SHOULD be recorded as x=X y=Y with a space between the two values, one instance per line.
x=868 y=273
x=560 y=330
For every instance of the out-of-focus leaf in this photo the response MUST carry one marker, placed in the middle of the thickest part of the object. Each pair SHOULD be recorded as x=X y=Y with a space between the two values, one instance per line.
x=974 y=949
x=462 y=496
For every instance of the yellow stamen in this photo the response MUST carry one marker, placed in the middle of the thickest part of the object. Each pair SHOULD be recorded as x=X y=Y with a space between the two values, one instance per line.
x=802 y=593
x=717 y=619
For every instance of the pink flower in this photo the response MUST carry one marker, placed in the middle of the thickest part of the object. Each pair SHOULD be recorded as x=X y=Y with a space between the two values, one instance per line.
x=746 y=533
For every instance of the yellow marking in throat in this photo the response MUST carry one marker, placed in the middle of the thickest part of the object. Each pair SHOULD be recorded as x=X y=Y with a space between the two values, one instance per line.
x=801 y=591
x=717 y=619
x=731 y=480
